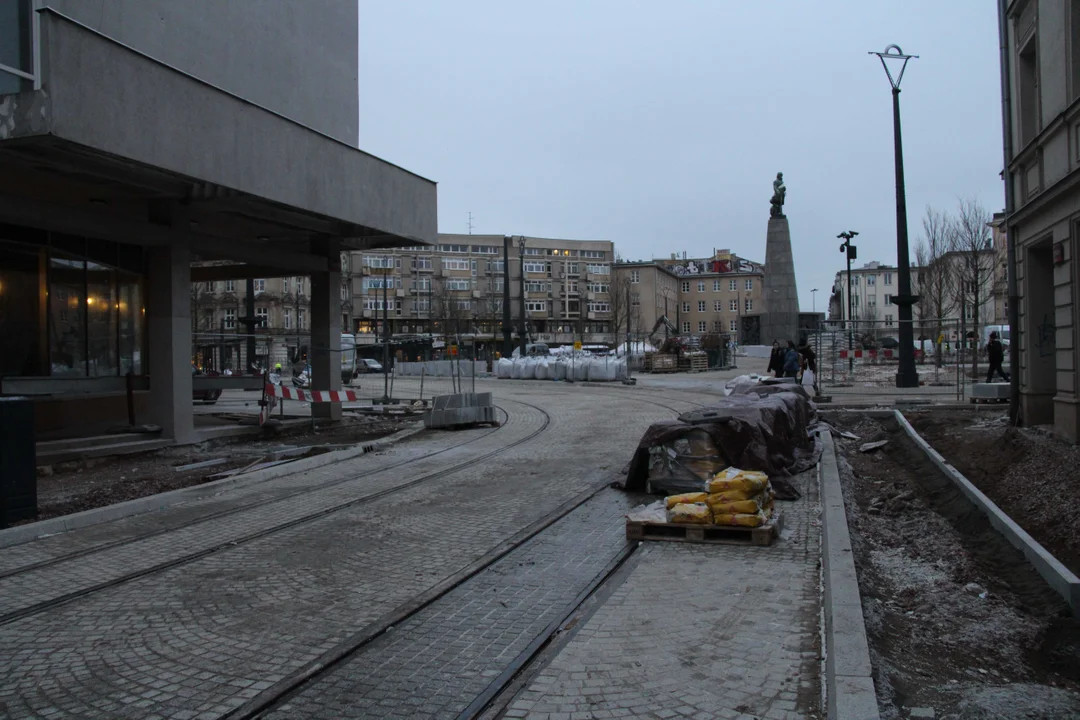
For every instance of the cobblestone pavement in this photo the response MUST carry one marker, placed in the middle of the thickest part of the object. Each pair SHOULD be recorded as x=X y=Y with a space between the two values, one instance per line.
x=698 y=631
x=199 y=639
x=436 y=663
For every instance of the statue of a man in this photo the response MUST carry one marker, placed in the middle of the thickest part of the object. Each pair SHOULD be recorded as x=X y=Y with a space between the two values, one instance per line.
x=779 y=191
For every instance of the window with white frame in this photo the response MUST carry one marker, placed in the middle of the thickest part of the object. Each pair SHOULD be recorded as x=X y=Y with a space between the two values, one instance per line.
x=458 y=284
x=749 y=305
x=888 y=299
x=855 y=280
x=260 y=286
x=422 y=304
x=888 y=319
x=376 y=282
x=495 y=266
x=536 y=251
x=486 y=249
x=378 y=261
x=733 y=285
x=871 y=280
x=456 y=264
x=230 y=286
x=701 y=286
x=422 y=263
x=749 y=284
x=635 y=276
x=701 y=326
x=539 y=306
x=732 y=326
x=537 y=286
x=718 y=306
x=300 y=319
x=376 y=303
x=888 y=280
x=718 y=325
x=686 y=307
x=733 y=305
x=635 y=299
x=463 y=304
x=285 y=284
x=599 y=287
x=422 y=284
x=599 y=269
x=716 y=286
x=230 y=318
x=599 y=307
x=344 y=291
x=261 y=317
x=597 y=254
x=496 y=284
x=454 y=248
x=686 y=286
x=701 y=306
x=535 y=267
x=686 y=327
x=286 y=318
x=572 y=268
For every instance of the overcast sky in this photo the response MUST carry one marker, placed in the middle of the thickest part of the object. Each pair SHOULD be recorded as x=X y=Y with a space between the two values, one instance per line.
x=661 y=125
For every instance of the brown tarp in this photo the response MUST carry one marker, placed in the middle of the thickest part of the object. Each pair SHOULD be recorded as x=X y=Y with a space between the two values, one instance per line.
x=766 y=428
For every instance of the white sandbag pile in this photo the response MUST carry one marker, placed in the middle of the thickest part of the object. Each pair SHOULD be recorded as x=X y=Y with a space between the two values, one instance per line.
x=580 y=368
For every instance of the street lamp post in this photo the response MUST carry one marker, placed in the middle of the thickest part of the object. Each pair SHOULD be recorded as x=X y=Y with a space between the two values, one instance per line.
x=907 y=375
x=813 y=294
x=851 y=252
x=521 y=304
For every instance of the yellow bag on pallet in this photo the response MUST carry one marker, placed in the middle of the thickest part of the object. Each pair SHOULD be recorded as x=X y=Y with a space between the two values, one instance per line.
x=734 y=479
x=753 y=505
x=741 y=519
x=690 y=514
x=728 y=496
x=686 y=498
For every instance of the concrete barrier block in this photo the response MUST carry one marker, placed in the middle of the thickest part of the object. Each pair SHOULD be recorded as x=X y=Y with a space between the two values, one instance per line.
x=993 y=391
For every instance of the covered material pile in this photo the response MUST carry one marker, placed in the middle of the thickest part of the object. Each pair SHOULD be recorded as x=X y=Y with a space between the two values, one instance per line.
x=735 y=497
x=767 y=428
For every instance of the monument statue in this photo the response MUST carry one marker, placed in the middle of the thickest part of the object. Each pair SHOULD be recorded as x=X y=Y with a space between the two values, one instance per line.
x=778 y=193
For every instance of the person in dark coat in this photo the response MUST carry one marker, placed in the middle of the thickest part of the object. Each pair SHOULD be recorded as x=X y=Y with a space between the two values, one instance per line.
x=996 y=352
x=791 y=361
x=809 y=361
x=776 y=360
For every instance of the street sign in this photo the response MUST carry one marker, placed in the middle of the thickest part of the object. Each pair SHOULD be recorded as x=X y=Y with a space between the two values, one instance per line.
x=577 y=344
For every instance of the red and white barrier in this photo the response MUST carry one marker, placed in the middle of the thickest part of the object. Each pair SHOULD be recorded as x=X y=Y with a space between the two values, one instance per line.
x=272 y=391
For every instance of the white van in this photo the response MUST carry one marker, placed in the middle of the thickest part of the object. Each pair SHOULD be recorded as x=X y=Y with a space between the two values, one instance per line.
x=1001 y=330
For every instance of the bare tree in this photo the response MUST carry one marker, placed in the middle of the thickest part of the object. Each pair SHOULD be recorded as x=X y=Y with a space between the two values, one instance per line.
x=448 y=306
x=621 y=308
x=934 y=280
x=973 y=263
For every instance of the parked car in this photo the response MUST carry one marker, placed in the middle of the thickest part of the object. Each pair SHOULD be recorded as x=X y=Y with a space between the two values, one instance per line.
x=367 y=365
x=889 y=343
x=207 y=396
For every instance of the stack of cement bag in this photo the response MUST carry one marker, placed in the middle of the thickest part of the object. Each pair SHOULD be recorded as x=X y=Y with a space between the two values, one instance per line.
x=582 y=368
x=739 y=498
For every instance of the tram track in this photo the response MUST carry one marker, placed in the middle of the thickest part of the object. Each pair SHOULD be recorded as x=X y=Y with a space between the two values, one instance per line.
x=188 y=558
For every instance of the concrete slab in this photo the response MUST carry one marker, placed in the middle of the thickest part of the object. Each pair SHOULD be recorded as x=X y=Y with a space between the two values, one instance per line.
x=994 y=391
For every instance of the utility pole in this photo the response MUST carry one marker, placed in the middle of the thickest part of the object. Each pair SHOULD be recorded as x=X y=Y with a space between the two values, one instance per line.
x=521 y=303
x=508 y=345
x=851 y=252
x=249 y=324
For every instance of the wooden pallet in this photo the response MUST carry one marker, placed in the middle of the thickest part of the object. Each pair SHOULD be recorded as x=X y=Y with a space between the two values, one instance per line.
x=694 y=363
x=710 y=534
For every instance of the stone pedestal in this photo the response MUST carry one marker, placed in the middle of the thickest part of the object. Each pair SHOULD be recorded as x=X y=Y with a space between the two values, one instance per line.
x=781 y=318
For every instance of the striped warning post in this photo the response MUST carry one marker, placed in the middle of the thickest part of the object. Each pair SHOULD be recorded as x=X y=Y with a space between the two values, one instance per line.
x=271 y=392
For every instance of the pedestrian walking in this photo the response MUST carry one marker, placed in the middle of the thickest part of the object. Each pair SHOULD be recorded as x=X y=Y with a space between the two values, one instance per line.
x=996 y=352
x=791 y=361
x=776 y=360
x=809 y=375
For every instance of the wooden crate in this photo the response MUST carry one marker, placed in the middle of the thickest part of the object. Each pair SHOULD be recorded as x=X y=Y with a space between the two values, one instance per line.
x=709 y=534
x=660 y=363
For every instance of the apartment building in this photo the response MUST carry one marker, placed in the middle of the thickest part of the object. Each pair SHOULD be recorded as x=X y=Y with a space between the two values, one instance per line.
x=457 y=287
x=722 y=294
x=146 y=147
x=1041 y=72
x=871 y=291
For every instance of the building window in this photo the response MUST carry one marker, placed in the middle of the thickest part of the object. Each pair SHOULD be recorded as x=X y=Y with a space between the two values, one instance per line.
x=459 y=264
x=749 y=305
x=300 y=319
x=686 y=327
x=378 y=261
x=686 y=307
x=230 y=286
x=285 y=285
x=422 y=305
x=701 y=326
x=749 y=283
x=635 y=276
x=344 y=294
x=889 y=320
x=732 y=285
x=596 y=288
x=718 y=306
x=888 y=299
x=716 y=286
x=260 y=286
x=599 y=307
x=230 y=318
x=871 y=280
x=286 y=318
x=536 y=267
x=1028 y=82
x=599 y=269
x=855 y=280
x=701 y=286
x=377 y=282
x=422 y=263
x=686 y=287
x=458 y=284
x=598 y=254
x=733 y=305
x=261 y=317
x=888 y=280
x=718 y=325
x=16 y=38
x=635 y=299
x=701 y=306
x=732 y=326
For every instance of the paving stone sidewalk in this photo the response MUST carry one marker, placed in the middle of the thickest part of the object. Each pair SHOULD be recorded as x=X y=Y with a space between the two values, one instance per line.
x=698 y=631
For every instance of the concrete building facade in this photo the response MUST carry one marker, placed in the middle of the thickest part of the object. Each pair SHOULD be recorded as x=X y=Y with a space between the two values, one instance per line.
x=146 y=147
x=456 y=287
x=1041 y=73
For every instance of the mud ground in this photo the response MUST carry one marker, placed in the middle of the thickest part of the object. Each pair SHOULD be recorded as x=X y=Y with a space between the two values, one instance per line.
x=956 y=618
x=74 y=486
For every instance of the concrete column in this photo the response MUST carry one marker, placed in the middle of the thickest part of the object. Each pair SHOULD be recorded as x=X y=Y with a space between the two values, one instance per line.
x=169 y=338
x=325 y=350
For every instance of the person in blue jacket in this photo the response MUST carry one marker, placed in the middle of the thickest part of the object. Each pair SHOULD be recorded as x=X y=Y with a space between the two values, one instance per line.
x=791 y=361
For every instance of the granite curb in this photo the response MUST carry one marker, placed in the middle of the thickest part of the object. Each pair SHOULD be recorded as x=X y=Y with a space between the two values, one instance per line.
x=86 y=518
x=1059 y=577
x=849 y=682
